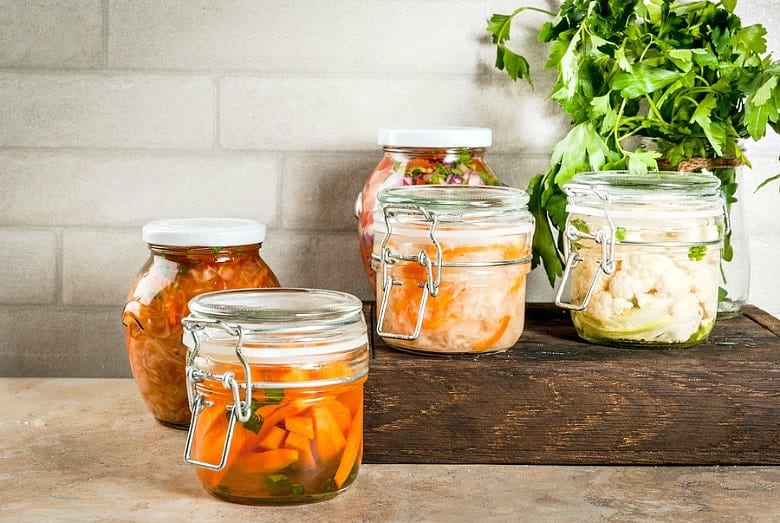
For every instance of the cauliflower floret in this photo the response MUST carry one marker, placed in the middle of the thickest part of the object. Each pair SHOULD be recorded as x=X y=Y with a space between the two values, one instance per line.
x=600 y=306
x=658 y=302
x=582 y=276
x=673 y=281
x=687 y=316
x=620 y=305
x=703 y=281
x=622 y=285
x=645 y=270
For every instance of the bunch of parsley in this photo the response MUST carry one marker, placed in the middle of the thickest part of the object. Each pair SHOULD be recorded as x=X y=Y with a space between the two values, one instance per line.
x=686 y=73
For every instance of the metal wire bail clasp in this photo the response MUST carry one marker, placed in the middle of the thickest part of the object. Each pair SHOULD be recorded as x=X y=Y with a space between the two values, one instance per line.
x=239 y=410
x=603 y=236
x=388 y=257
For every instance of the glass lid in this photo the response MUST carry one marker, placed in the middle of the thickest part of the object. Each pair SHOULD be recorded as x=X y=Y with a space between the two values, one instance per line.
x=273 y=308
x=456 y=200
x=661 y=185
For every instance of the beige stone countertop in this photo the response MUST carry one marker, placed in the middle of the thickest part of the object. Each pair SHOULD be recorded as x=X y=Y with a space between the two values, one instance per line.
x=88 y=450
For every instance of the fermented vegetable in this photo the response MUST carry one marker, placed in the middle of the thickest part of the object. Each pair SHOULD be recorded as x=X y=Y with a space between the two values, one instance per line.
x=303 y=446
x=656 y=295
x=156 y=304
x=476 y=309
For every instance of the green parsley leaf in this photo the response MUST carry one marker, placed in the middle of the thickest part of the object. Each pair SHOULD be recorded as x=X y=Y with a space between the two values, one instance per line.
x=642 y=79
x=697 y=252
x=581 y=225
x=274 y=396
x=686 y=73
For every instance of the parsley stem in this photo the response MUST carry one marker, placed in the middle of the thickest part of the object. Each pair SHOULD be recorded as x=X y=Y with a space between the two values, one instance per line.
x=651 y=103
x=531 y=8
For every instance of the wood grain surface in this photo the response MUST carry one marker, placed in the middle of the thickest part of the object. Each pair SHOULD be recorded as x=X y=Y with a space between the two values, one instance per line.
x=553 y=399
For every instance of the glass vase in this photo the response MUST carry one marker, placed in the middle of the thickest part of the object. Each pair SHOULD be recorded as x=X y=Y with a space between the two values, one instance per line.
x=735 y=257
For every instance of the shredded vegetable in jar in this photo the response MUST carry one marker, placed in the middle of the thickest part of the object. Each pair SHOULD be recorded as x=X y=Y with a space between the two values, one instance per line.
x=643 y=254
x=451 y=268
x=434 y=156
x=188 y=257
x=276 y=381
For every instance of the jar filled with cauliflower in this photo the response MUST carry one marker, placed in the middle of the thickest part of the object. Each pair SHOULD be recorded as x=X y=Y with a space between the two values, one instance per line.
x=643 y=255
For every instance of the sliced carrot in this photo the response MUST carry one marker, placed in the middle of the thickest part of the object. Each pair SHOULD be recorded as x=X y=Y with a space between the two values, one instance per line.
x=303 y=445
x=268 y=461
x=302 y=425
x=415 y=163
x=266 y=410
x=353 y=397
x=215 y=436
x=333 y=370
x=351 y=450
x=277 y=415
x=328 y=439
x=295 y=374
x=493 y=339
x=340 y=412
x=274 y=438
x=210 y=426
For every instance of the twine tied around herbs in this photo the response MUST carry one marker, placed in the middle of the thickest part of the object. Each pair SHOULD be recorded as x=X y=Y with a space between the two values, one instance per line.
x=697 y=163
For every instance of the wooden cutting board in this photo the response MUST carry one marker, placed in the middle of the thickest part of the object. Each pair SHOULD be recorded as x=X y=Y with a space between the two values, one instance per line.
x=553 y=399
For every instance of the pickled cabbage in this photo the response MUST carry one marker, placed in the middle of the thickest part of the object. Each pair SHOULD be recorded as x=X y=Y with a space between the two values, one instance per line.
x=477 y=308
x=156 y=305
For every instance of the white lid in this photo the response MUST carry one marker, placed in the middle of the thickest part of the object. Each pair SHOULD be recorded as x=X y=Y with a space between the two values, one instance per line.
x=204 y=232
x=436 y=137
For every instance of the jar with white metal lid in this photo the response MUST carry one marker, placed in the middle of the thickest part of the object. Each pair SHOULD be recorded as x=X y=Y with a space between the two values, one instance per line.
x=275 y=380
x=187 y=257
x=642 y=254
x=422 y=156
x=451 y=266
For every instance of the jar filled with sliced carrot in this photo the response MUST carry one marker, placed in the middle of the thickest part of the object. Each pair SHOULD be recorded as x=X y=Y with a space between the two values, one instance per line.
x=187 y=257
x=275 y=378
x=451 y=267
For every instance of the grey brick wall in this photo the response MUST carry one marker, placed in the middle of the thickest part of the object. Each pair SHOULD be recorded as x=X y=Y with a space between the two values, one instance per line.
x=115 y=113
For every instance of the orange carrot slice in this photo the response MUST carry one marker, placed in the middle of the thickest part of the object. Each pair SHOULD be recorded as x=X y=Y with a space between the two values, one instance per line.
x=277 y=415
x=340 y=412
x=268 y=461
x=274 y=438
x=492 y=340
x=303 y=445
x=414 y=163
x=210 y=425
x=302 y=425
x=328 y=438
x=351 y=450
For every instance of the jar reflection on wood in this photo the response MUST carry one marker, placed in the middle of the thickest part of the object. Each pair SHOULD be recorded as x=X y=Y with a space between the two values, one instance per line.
x=451 y=267
x=642 y=257
x=435 y=156
x=276 y=384
x=187 y=257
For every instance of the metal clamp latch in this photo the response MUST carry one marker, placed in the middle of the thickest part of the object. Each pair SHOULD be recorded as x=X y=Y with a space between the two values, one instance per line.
x=388 y=257
x=239 y=410
x=604 y=237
